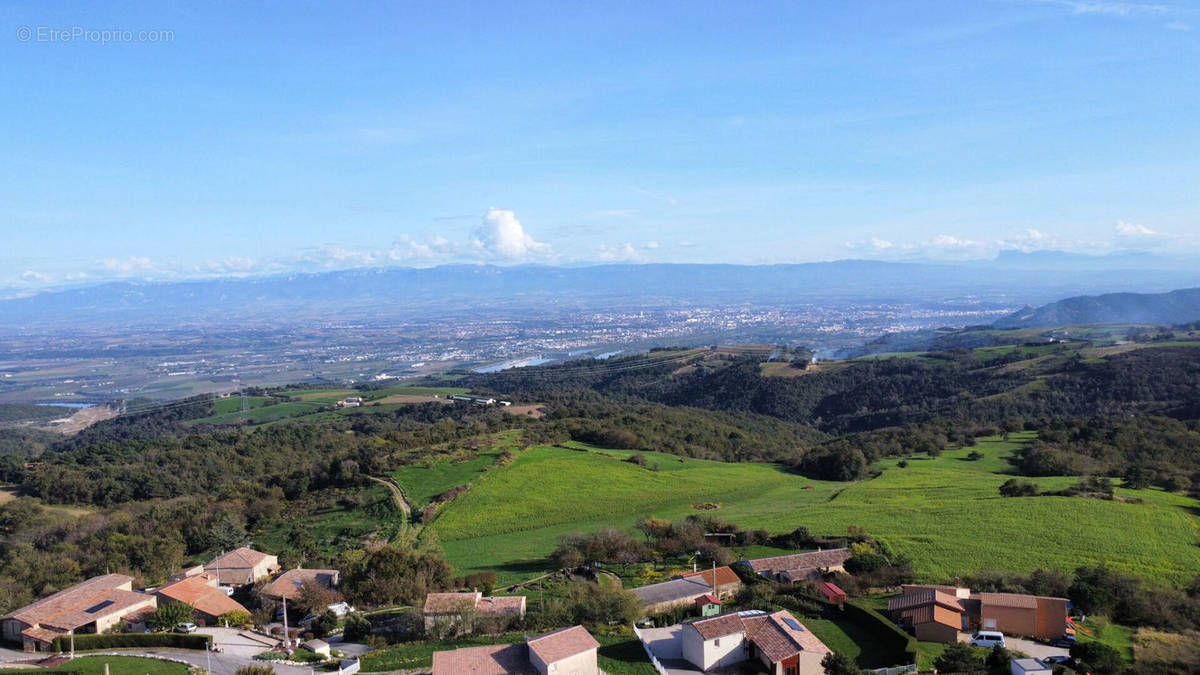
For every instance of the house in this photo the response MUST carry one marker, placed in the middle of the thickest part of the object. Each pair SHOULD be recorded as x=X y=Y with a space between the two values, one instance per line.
x=351 y=402
x=317 y=647
x=1029 y=667
x=667 y=595
x=94 y=606
x=452 y=607
x=566 y=651
x=832 y=593
x=938 y=613
x=723 y=581
x=202 y=593
x=708 y=605
x=290 y=584
x=780 y=642
x=242 y=566
x=800 y=567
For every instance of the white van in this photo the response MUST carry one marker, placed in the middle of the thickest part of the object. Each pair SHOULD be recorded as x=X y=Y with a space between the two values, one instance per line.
x=988 y=638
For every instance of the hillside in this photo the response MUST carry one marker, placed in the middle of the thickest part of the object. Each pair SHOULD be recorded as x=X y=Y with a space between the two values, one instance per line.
x=1176 y=307
x=944 y=513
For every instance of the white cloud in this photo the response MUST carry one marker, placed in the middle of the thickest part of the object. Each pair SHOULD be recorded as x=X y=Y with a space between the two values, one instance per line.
x=880 y=244
x=622 y=253
x=1111 y=7
x=127 y=267
x=1125 y=229
x=1178 y=25
x=35 y=277
x=650 y=245
x=501 y=237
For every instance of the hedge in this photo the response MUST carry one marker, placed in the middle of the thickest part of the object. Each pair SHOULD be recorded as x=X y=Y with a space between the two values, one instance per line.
x=884 y=629
x=90 y=641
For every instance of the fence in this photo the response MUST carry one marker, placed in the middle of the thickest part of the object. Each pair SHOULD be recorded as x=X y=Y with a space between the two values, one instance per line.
x=649 y=654
x=348 y=667
x=894 y=670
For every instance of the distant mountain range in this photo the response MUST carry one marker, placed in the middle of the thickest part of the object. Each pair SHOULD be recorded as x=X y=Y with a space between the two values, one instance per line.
x=402 y=292
x=1181 y=306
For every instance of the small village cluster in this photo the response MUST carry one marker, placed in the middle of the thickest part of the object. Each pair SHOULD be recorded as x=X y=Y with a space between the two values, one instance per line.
x=713 y=639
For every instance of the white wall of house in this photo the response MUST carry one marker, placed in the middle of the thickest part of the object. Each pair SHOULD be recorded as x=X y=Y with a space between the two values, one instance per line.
x=716 y=653
x=583 y=663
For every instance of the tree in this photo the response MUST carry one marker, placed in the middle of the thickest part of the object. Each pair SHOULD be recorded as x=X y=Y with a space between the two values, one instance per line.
x=235 y=618
x=314 y=598
x=1102 y=658
x=959 y=658
x=999 y=660
x=837 y=663
x=356 y=627
x=226 y=533
x=391 y=575
x=171 y=614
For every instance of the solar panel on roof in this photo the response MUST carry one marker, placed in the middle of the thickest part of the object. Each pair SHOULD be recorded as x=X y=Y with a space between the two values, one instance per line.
x=793 y=624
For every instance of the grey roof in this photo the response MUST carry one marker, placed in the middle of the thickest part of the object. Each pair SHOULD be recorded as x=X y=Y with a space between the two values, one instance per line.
x=673 y=590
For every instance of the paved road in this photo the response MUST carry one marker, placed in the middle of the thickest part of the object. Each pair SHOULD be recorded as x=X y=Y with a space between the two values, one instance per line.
x=1035 y=649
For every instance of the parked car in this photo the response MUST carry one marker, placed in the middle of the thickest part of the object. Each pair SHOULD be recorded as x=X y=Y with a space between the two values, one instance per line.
x=1051 y=660
x=1064 y=641
x=988 y=638
x=185 y=628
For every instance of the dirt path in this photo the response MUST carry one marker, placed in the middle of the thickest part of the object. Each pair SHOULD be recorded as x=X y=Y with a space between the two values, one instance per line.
x=82 y=419
x=397 y=494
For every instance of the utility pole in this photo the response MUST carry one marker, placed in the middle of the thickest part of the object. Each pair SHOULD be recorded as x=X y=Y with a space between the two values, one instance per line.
x=287 y=640
x=207 y=656
x=245 y=405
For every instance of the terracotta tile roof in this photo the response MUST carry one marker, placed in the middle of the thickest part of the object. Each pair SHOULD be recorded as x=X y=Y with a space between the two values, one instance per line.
x=707 y=599
x=916 y=597
x=800 y=561
x=82 y=594
x=724 y=576
x=488 y=660
x=41 y=634
x=456 y=603
x=450 y=603
x=718 y=626
x=238 y=566
x=562 y=643
x=1009 y=600
x=289 y=584
x=106 y=604
x=202 y=594
x=500 y=606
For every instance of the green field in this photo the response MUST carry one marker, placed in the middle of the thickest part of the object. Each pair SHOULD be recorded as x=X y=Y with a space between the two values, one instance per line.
x=125 y=665
x=945 y=513
x=422 y=482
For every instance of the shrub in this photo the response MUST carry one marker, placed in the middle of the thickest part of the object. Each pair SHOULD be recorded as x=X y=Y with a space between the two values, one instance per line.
x=133 y=640
x=256 y=670
x=959 y=658
x=1015 y=487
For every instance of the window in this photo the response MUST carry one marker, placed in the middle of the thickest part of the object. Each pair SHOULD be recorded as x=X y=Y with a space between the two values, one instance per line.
x=717 y=642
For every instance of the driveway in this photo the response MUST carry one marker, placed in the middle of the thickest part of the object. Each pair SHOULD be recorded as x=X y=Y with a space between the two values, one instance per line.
x=666 y=644
x=1035 y=649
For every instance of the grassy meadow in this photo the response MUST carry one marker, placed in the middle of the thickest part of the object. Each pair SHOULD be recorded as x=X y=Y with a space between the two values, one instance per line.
x=424 y=481
x=945 y=512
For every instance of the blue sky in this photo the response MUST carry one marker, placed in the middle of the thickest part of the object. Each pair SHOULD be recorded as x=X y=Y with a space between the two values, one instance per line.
x=284 y=136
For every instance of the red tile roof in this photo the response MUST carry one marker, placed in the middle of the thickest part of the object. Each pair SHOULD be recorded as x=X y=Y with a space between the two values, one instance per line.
x=916 y=597
x=1009 y=600
x=707 y=599
x=289 y=584
x=800 y=561
x=718 y=626
x=488 y=660
x=724 y=575
x=456 y=603
x=562 y=643
x=81 y=595
x=238 y=566
x=202 y=594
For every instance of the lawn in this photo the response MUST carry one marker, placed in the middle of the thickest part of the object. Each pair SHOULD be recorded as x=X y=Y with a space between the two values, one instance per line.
x=414 y=655
x=424 y=481
x=945 y=512
x=851 y=639
x=125 y=665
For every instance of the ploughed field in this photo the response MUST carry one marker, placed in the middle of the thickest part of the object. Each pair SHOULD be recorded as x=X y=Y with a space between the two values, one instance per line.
x=945 y=513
